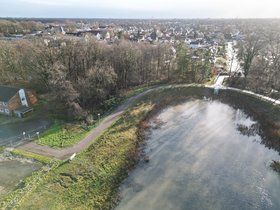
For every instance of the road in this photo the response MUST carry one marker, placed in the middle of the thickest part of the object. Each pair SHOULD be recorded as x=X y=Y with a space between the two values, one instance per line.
x=220 y=80
x=234 y=66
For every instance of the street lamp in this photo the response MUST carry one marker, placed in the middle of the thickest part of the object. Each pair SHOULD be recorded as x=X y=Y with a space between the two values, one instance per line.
x=37 y=133
x=98 y=117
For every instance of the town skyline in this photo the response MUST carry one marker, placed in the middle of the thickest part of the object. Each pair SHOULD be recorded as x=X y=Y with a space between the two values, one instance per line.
x=142 y=10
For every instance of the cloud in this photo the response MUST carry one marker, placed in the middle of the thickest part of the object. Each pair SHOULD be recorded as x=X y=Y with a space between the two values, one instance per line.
x=45 y=2
x=141 y=9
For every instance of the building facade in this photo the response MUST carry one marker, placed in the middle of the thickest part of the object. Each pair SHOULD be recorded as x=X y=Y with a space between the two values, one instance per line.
x=16 y=101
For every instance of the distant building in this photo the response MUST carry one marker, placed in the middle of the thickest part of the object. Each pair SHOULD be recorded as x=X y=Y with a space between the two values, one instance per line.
x=98 y=36
x=16 y=101
x=194 y=44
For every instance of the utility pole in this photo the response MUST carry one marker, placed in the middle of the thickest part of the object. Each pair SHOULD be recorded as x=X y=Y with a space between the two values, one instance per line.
x=231 y=65
x=232 y=54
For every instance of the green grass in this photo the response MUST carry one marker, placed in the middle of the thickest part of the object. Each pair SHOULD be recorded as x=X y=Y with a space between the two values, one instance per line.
x=23 y=153
x=14 y=199
x=91 y=180
x=57 y=136
x=61 y=136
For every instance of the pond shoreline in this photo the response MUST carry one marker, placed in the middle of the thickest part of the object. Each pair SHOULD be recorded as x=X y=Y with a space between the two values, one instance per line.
x=127 y=136
x=7 y=155
x=246 y=103
x=14 y=170
x=134 y=185
x=265 y=113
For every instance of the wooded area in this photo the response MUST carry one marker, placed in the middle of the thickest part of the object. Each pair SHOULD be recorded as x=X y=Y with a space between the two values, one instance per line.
x=80 y=75
x=14 y=27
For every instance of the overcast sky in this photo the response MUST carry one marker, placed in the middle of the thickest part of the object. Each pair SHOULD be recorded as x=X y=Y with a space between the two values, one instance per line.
x=141 y=8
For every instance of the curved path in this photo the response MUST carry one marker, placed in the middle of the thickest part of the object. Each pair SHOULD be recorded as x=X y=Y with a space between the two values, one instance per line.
x=109 y=120
x=67 y=152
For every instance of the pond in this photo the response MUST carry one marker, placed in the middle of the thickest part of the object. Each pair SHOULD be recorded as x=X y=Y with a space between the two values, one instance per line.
x=203 y=155
x=12 y=171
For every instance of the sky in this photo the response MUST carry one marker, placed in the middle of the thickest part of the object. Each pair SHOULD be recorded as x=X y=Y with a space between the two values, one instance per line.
x=140 y=8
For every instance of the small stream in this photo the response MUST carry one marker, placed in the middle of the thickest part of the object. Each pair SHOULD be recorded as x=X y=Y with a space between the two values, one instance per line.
x=200 y=159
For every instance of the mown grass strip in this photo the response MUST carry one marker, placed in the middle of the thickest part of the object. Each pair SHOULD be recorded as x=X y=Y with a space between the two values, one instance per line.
x=30 y=155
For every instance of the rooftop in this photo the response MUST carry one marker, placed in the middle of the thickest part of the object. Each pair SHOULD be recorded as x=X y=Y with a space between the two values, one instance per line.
x=6 y=93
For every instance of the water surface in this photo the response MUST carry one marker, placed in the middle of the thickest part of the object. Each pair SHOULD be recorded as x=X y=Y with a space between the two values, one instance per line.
x=200 y=160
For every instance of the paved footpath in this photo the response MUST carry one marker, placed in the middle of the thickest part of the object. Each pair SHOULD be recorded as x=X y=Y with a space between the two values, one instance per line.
x=67 y=152
x=109 y=120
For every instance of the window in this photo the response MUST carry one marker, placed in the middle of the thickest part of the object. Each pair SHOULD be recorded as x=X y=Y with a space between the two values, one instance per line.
x=7 y=111
x=3 y=103
x=2 y=110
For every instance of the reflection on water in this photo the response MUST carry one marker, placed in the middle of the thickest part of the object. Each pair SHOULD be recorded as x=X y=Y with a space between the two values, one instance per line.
x=199 y=160
x=12 y=171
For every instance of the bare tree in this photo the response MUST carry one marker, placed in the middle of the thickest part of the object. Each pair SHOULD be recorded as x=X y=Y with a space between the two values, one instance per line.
x=248 y=50
x=64 y=93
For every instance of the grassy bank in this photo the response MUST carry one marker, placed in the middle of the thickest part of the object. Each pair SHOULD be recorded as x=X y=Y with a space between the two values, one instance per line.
x=62 y=135
x=92 y=179
x=30 y=155
x=266 y=113
x=14 y=199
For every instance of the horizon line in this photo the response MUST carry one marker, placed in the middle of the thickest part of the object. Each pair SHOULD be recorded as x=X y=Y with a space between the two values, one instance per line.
x=142 y=18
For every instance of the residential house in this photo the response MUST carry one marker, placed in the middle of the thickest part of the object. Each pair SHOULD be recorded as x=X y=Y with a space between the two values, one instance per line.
x=16 y=101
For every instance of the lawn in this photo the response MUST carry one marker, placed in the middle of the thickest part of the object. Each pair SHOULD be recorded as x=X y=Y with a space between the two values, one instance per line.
x=22 y=153
x=62 y=135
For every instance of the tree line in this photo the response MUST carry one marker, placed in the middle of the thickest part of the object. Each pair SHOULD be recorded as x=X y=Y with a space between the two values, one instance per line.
x=259 y=54
x=80 y=75
x=13 y=27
